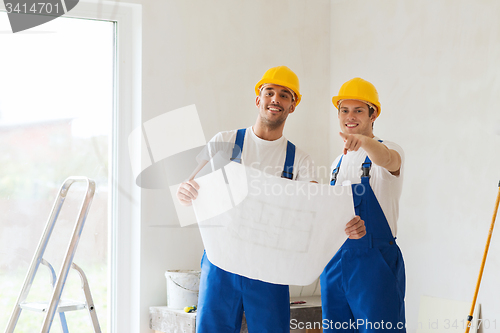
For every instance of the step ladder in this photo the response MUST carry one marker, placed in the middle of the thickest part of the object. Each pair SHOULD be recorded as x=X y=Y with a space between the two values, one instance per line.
x=56 y=305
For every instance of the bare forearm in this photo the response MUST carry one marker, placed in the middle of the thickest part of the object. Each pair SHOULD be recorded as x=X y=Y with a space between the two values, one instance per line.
x=377 y=152
x=198 y=168
x=381 y=155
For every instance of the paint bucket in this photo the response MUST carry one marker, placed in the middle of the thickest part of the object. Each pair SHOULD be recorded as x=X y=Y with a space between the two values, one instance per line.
x=182 y=288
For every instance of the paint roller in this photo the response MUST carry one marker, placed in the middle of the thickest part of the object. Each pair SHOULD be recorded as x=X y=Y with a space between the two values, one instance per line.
x=469 y=318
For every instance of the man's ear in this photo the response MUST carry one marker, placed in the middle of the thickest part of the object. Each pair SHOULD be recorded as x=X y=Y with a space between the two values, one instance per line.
x=257 y=101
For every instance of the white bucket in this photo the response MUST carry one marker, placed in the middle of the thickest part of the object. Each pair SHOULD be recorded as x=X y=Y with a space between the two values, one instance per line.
x=182 y=288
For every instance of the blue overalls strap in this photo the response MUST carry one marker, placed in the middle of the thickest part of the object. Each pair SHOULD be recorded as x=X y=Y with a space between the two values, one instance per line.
x=290 y=158
x=366 y=166
x=335 y=172
x=238 y=145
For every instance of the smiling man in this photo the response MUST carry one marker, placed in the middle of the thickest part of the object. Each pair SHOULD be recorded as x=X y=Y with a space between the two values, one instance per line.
x=363 y=286
x=224 y=296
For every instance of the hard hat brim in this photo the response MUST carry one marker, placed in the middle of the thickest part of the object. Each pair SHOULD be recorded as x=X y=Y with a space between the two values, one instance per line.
x=279 y=83
x=336 y=99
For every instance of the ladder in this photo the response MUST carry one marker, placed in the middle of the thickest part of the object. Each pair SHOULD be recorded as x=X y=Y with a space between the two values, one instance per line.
x=56 y=305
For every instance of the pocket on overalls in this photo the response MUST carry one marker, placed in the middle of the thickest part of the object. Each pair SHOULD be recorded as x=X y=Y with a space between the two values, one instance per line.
x=390 y=258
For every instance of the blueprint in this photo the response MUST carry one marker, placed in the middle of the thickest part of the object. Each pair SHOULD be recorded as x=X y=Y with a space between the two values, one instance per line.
x=269 y=228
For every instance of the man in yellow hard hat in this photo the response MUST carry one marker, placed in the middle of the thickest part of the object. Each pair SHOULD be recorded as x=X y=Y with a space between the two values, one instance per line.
x=363 y=286
x=224 y=296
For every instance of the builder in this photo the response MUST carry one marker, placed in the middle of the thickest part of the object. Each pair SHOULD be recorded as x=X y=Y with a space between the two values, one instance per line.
x=224 y=296
x=363 y=286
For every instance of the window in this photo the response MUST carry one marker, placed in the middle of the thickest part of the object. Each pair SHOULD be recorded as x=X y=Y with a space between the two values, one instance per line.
x=124 y=227
x=56 y=112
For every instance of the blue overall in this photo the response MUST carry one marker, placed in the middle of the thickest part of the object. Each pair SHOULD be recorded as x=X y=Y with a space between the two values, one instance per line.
x=224 y=296
x=363 y=286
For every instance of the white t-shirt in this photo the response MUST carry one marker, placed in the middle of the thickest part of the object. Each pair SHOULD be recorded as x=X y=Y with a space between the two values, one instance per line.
x=387 y=187
x=268 y=156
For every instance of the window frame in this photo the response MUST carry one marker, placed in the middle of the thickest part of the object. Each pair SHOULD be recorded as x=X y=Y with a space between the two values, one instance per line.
x=124 y=211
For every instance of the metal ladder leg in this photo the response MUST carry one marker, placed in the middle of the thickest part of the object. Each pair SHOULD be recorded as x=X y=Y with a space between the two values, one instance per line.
x=53 y=278
x=38 y=256
x=86 y=291
x=88 y=298
x=64 y=323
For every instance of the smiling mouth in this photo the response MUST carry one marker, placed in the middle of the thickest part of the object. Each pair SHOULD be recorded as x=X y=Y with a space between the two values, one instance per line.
x=274 y=109
x=351 y=125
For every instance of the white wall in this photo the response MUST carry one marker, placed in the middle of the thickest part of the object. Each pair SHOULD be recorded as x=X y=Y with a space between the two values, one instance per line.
x=435 y=64
x=212 y=53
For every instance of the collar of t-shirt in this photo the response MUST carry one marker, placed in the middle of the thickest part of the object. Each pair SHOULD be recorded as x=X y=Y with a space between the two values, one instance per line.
x=263 y=142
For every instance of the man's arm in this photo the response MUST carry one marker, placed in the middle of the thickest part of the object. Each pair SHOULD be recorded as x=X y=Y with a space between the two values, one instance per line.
x=378 y=152
x=188 y=191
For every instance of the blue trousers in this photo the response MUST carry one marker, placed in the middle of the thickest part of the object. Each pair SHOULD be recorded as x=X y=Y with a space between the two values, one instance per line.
x=224 y=296
x=362 y=290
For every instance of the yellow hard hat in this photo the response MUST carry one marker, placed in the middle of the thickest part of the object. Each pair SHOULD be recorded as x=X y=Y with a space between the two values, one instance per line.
x=282 y=76
x=358 y=89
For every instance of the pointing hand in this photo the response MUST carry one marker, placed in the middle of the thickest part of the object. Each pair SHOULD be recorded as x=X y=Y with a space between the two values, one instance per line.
x=352 y=142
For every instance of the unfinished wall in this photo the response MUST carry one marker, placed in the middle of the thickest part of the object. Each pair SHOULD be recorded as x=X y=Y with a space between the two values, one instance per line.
x=435 y=65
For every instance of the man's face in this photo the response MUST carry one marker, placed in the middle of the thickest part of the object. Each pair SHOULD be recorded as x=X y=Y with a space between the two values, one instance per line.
x=354 y=118
x=274 y=103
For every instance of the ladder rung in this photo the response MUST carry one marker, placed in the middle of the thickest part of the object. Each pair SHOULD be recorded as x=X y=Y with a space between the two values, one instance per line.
x=64 y=306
